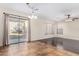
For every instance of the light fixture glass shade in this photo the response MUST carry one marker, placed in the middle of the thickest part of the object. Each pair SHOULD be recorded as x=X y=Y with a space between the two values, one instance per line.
x=33 y=17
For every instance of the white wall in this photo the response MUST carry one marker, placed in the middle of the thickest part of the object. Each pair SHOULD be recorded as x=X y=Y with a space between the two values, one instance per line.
x=71 y=28
x=38 y=29
x=1 y=27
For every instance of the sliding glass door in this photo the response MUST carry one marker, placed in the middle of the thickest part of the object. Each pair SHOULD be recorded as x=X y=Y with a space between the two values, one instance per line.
x=17 y=30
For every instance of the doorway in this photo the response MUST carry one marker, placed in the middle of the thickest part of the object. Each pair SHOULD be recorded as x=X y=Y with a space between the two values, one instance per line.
x=17 y=29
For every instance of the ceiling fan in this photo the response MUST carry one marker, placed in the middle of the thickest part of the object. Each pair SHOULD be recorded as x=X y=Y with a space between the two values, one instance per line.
x=69 y=18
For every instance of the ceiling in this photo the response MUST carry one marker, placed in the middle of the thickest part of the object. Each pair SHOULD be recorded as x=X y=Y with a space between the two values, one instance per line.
x=51 y=11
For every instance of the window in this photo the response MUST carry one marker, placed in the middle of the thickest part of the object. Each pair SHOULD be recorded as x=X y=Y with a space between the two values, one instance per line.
x=49 y=29
x=60 y=29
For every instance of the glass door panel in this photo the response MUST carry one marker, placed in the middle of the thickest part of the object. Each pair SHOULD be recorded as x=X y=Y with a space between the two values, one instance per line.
x=22 y=31
x=16 y=31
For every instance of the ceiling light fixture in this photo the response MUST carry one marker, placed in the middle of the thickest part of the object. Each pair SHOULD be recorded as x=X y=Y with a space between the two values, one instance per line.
x=34 y=10
x=69 y=18
x=32 y=17
x=32 y=7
